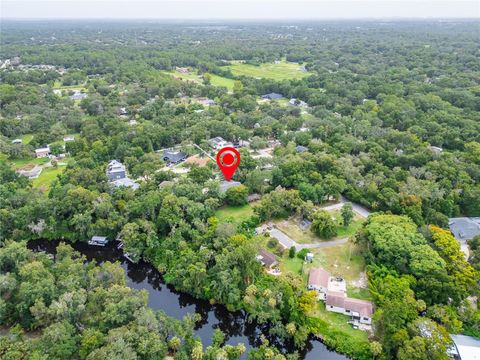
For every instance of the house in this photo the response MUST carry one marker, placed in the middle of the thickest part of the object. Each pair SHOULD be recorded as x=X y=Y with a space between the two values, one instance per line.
x=296 y=102
x=301 y=149
x=98 y=241
x=464 y=228
x=225 y=185
x=435 y=149
x=360 y=310
x=218 y=142
x=318 y=280
x=206 y=102
x=116 y=170
x=123 y=111
x=32 y=173
x=17 y=141
x=173 y=156
x=69 y=138
x=465 y=348
x=42 y=152
x=77 y=95
x=267 y=259
x=125 y=182
x=272 y=96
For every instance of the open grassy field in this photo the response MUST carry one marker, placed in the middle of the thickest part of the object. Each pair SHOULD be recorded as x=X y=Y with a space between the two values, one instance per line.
x=46 y=178
x=215 y=80
x=234 y=214
x=281 y=71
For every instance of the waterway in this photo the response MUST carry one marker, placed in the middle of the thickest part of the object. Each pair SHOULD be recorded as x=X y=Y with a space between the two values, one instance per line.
x=177 y=304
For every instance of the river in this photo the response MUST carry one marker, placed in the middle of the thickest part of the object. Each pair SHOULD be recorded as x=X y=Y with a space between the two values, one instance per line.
x=177 y=304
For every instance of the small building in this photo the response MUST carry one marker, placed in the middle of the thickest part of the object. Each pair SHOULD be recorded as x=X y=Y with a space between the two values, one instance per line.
x=435 y=149
x=69 y=138
x=206 y=102
x=267 y=259
x=77 y=95
x=465 y=347
x=301 y=149
x=98 y=241
x=125 y=182
x=253 y=197
x=272 y=96
x=309 y=257
x=297 y=102
x=17 y=141
x=42 y=152
x=218 y=143
x=116 y=170
x=318 y=280
x=123 y=111
x=225 y=185
x=173 y=156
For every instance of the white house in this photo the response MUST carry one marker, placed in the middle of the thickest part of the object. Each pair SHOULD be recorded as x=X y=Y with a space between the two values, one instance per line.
x=42 y=152
x=361 y=311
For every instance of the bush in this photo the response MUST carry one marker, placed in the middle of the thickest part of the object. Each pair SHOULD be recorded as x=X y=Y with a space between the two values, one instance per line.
x=302 y=253
x=291 y=252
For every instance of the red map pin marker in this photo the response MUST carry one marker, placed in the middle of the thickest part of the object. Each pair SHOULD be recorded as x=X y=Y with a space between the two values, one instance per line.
x=228 y=160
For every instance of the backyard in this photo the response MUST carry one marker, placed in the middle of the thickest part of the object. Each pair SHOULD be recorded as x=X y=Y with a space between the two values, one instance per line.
x=234 y=214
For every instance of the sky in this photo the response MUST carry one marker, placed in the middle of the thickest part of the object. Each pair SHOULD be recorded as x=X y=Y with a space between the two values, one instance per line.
x=237 y=9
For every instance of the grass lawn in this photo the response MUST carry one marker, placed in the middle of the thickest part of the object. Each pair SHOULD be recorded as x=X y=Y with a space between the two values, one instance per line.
x=46 y=177
x=292 y=229
x=26 y=138
x=34 y=161
x=234 y=214
x=282 y=71
x=217 y=80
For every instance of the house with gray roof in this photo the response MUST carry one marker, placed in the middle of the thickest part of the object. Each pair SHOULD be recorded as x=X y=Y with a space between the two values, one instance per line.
x=174 y=156
x=126 y=182
x=218 y=142
x=116 y=170
x=464 y=228
x=272 y=96
x=301 y=149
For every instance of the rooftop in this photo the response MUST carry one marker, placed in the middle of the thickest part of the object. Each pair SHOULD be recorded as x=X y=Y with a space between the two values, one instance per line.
x=318 y=277
x=464 y=228
x=468 y=347
x=225 y=185
x=272 y=96
x=126 y=182
x=266 y=258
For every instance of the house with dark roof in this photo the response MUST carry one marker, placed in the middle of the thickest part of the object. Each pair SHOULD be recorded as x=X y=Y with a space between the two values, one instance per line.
x=174 y=156
x=272 y=96
x=301 y=149
x=116 y=170
x=267 y=259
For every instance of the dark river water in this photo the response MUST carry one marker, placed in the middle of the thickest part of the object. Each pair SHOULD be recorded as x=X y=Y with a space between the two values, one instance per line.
x=177 y=304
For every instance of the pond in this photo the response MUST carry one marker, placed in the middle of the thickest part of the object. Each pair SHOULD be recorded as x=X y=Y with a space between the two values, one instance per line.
x=177 y=304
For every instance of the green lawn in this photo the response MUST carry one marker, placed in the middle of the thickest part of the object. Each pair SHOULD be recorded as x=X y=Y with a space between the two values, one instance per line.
x=234 y=214
x=17 y=163
x=217 y=80
x=26 y=138
x=282 y=71
x=47 y=176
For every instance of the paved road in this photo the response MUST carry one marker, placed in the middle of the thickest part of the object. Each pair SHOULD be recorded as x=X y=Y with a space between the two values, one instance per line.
x=288 y=242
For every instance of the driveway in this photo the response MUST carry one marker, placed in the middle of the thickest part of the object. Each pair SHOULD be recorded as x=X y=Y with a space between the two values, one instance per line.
x=359 y=209
x=287 y=242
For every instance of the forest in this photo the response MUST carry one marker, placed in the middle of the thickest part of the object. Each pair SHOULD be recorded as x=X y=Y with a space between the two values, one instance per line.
x=391 y=122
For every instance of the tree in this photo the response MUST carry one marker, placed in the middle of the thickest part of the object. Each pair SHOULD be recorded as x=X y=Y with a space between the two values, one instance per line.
x=236 y=195
x=323 y=224
x=347 y=213
x=291 y=252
